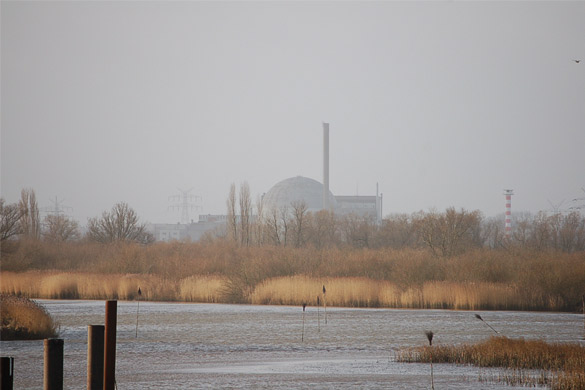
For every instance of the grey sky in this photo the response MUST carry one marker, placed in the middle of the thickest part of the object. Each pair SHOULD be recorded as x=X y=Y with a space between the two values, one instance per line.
x=442 y=103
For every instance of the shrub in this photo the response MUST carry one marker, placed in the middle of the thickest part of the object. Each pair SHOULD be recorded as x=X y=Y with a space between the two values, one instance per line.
x=23 y=319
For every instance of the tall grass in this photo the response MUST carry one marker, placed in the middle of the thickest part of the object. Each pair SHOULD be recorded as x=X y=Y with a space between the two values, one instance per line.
x=286 y=290
x=477 y=279
x=564 y=364
x=206 y=289
x=363 y=292
x=23 y=319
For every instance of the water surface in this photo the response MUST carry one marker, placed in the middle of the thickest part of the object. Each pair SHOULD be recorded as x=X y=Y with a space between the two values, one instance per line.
x=193 y=346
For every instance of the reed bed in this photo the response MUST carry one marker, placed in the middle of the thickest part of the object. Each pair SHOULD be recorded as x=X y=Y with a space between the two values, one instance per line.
x=284 y=290
x=365 y=292
x=518 y=279
x=208 y=289
x=81 y=285
x=73 y=285
x=562 y=366
x=23 y=319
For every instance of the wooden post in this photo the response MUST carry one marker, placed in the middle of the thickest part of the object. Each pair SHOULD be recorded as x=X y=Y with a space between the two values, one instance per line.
x=53 y=378
x=6 y=373
x=110 y=345
x=325 y=302
x=95 y=357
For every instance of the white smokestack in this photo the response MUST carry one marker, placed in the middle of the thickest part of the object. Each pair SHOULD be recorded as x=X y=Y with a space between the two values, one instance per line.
x=326 y=205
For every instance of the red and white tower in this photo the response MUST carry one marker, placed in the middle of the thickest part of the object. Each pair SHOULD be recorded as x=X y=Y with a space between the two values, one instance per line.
x=508 y=194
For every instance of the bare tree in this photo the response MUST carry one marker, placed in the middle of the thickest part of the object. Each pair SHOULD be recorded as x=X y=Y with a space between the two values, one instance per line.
x=245 y=214
x=29 y=210
x=492 y=232
x=273 y=229
x=232 y=219
x=120 y=224
x=59 y=228
x=284 y=224
x=10 y=215
x=396 y=231
x=357 y=230
x=449 y=233
x=299 y=211
x=258 y=225
x=322 y=229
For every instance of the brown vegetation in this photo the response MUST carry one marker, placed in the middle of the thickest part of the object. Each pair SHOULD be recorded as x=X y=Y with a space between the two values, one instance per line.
x=563 y=365
x=217 y=272
x=453 y=260
x=23 y=319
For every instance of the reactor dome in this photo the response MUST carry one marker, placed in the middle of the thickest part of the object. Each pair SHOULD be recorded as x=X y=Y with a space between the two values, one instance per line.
x=294 y=189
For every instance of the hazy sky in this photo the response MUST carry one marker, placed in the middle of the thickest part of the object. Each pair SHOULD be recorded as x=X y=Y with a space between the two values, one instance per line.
x=442 y=103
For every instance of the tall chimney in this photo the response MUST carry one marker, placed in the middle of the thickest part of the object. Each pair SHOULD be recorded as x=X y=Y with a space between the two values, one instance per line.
x=326 y=205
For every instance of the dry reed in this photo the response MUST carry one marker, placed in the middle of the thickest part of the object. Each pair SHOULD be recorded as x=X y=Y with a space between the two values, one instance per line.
x=364 y=292
x=208 y=289
x=564 y=364
x=287 y=290
x=518 y=279
x=23 y=319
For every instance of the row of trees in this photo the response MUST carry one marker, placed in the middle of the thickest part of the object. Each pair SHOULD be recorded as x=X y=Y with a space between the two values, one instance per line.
x=22 y=220
x=445 y=234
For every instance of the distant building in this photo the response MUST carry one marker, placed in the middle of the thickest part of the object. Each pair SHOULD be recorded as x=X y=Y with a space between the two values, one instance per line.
x=317 y=196
x=193 y=231
x=286 y=192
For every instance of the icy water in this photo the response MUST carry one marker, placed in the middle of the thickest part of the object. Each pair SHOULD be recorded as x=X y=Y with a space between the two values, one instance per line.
x=206 y=346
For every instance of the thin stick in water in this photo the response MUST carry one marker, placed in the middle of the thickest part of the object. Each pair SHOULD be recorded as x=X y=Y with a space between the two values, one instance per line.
x=430 y=338
x=138 y=310
x=303 y=334
x=482 y=320
x=325 y=302
x=318 y=315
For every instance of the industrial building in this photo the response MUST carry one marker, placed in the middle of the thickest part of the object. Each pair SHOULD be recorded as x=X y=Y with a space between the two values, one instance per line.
x=315 y=195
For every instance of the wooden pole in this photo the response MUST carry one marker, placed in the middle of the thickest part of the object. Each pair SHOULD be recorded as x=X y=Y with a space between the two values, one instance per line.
x=303 y=334
x=95 y=357
x=138 y=310
x=110 y=345
x=325 y=302
x=6 y=373
x=318 y=315
x=53 y=375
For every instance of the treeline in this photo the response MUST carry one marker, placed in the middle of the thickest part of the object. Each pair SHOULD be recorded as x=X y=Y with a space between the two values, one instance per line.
x=445 y=234
x=401 y=262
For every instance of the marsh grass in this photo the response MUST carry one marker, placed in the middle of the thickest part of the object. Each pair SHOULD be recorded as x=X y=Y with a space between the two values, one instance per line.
x=75 y=285
x=208 y=289
x=286 y=290
x=23 y=319
x=479 y=279
x=365 y=292
x=562 y=366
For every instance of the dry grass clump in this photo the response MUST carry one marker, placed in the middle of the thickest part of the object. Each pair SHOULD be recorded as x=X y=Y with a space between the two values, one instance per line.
x=469 y=296
x=23 y=319
x=353 y=292
x=76 y=285
x=563 y=364
x=207 y=289
x=365 y=292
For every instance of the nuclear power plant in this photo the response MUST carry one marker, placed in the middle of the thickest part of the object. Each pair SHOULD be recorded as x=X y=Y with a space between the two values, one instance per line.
x=282 y=196
x=317 y=196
